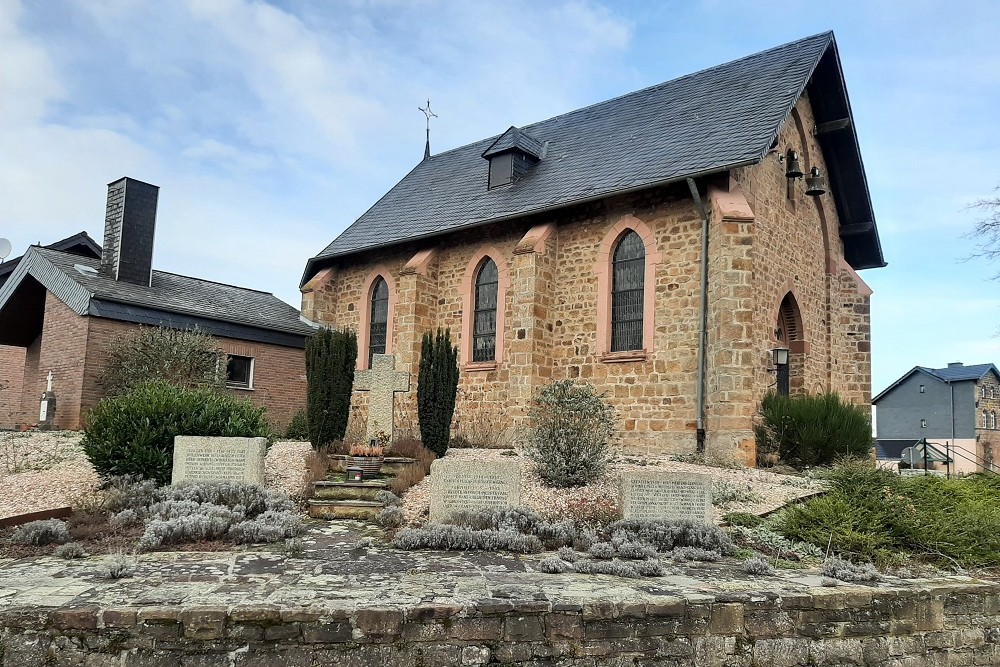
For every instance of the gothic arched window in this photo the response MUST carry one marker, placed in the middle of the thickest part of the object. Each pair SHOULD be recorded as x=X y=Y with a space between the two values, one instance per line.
x=378 y=323
x=628 y=271
x=484 y=325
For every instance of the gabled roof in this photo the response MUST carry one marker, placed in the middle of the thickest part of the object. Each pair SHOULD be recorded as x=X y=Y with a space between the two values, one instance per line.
x=78 y=244
x=514 y=138
x=171 y=300
x=960 y=373
x=704 y=123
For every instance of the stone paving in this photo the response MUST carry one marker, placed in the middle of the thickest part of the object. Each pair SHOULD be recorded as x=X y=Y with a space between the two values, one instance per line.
x=345 y=566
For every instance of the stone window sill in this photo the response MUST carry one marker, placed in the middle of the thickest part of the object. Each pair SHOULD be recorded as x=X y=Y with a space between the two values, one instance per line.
x=238 y=388
x=480 y=366
x=623 y=357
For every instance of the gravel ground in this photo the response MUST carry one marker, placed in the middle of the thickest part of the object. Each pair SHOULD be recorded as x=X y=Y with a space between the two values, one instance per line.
x=750 y=490
x=40 y=471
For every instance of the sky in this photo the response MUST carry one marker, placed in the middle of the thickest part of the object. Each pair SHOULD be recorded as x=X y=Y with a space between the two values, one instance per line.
x=271 y=126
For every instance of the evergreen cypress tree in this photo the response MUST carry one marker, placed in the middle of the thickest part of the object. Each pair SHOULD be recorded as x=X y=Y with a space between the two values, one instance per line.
x=437 y=385
x=330 y=360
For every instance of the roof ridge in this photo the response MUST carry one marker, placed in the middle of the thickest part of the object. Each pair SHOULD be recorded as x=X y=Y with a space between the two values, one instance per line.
x=494 y=138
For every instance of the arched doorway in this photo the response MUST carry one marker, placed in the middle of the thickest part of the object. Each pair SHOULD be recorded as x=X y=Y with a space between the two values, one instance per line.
x=789 y=332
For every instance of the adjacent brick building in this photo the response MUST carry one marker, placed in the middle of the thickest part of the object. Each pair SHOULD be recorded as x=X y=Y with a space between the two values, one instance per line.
x=580 y=247
x=59 y=310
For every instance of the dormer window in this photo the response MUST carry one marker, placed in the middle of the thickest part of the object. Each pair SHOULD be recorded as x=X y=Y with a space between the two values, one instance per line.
x=511 y=156
x=501 y=170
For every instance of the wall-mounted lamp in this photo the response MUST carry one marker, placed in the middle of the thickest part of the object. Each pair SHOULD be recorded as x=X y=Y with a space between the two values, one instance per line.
x=779 y=357
x=815 y=183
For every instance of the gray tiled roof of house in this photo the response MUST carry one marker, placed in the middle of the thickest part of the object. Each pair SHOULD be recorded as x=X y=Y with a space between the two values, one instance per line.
x=702 y=123
x=185 y=295
x=960 y=373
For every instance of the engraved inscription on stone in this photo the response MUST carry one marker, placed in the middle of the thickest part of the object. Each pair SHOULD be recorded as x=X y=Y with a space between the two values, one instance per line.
x=216 y=459
x=458 y=486
x=651 y=495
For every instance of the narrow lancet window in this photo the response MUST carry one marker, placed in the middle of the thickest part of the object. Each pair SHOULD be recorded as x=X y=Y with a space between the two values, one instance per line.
x=484 y=326
x=628 y=276
x=379 y=322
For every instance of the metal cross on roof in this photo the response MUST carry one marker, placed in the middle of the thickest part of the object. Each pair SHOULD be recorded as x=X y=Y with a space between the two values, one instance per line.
x=428 y=113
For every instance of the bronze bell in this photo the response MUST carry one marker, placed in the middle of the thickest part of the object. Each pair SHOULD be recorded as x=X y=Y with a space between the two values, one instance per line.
x=815 y=183
x=793 y=170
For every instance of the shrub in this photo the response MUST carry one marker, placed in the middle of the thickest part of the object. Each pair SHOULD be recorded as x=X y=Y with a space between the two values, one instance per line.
x=569 y=442
x=187 y=359
x=461 y=538
x=554 y=565
x=118 y=566
x=617 y=568
x=70 y=550
x=133 y=434
x=649 y=568
x=757 y=567
x=836 y=568
x=695 y=553
x=391 y=517
x=437 y=386
x=810 y=430
x=47 y=531
x=388 y=498
x=634 y=550
x=666 y=536
x=726 y=493
x=569 y=554
x=331 y=357
x=743 y=519
x=602 y=551
x=298 y=427
x=873 y=515
x=597 y=513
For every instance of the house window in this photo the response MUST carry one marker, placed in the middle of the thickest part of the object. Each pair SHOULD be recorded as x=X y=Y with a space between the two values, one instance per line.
x=379 y=323
x=993 y=391
x=985 y=424
x=501 y=170
x=923 y=423
x=982 y=391
x=484 y=326
x=993 y=419
x=921 y=389
x=628 y=268
x=239 y=372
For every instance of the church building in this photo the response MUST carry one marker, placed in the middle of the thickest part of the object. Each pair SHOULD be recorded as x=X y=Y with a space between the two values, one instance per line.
x=684 y=249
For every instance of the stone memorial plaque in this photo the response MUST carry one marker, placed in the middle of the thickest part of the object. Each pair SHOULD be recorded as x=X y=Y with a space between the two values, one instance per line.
x=217 y=459
x=458 y=486
x=667 y=495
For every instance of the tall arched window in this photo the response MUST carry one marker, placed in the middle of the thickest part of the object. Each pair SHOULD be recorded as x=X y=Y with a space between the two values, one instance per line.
x=628 y=270
x=379 y=322
x=985 y=423
x=993 y=419
x=484 y=325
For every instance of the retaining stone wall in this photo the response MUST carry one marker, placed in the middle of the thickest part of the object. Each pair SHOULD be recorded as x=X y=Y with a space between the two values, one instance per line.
x=939 y=625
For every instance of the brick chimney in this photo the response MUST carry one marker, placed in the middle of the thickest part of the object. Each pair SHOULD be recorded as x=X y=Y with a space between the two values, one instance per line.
x=129 y=225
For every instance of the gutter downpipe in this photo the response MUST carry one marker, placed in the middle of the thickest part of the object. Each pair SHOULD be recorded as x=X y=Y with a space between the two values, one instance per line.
x=703 y=319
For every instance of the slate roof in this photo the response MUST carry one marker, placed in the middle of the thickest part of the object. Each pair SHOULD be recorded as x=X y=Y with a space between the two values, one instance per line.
x=79 y=244
x=173 y=297
x=515 y=138
x=699 y=124
x=962 y=373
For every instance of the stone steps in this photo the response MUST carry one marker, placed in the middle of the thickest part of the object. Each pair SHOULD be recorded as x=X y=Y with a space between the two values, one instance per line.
x=337 y=490
x=344 y=509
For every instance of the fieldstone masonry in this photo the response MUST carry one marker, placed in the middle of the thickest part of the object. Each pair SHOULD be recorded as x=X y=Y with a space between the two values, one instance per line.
x=382 y=382
x=211 y=459
x=674 y=496
x=458 y=486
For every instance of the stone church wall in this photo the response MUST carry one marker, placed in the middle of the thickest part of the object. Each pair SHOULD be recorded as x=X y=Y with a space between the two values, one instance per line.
x=763 y=246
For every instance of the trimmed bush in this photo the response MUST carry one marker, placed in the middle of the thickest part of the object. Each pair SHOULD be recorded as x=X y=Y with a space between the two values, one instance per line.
x=569 y=442
x=298 y=427
x=437 y=386
x=183 y=358
x=757 y=566
x=331 y=357
x=810 y=430
x=46 y=531
x=133 y=434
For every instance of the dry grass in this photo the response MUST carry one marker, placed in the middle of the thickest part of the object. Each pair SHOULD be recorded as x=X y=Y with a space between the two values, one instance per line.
x=414 y=474
x=317 y=467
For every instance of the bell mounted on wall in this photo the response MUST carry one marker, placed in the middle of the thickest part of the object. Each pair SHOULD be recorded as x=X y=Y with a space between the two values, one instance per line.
x=815 y=183
x=793 y=169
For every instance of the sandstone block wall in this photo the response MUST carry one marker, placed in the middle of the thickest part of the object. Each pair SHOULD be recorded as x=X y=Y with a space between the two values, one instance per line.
x=933 y=626
x=774 y=245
